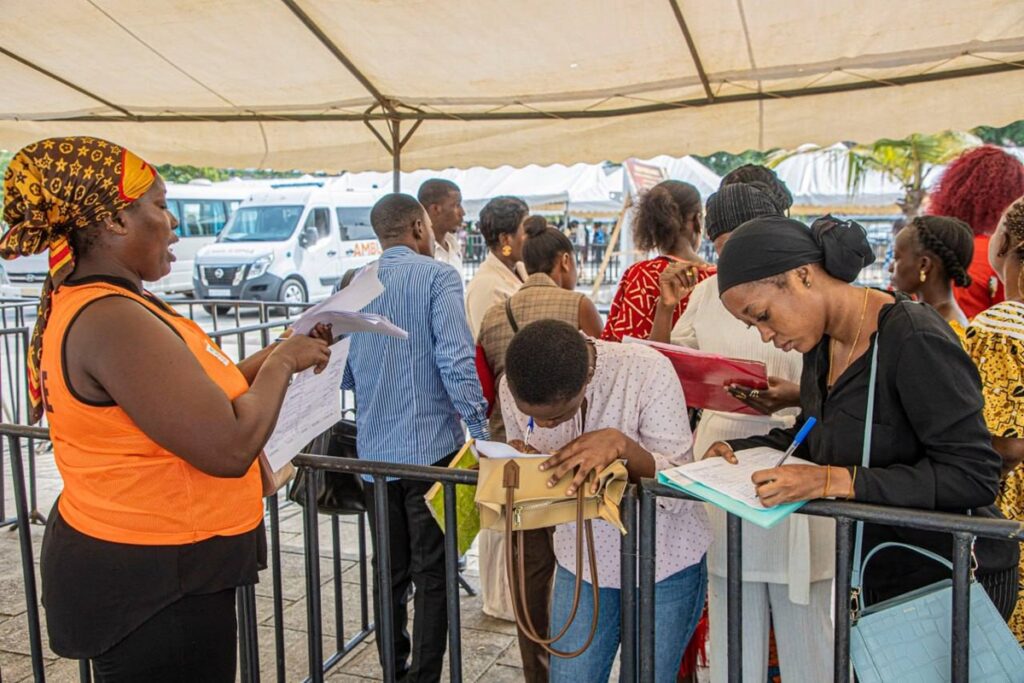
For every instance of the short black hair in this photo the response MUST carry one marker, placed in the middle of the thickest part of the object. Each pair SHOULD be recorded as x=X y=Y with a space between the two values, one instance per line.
x=543 y=246
x=772 y=184
x=501 y=215
x=546 y=362
x=393 y=215
x=435 y=191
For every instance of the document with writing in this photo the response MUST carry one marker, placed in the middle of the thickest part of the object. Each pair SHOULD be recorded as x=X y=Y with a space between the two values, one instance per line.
x=734 y=480
x=729 y=486
x=311 y=405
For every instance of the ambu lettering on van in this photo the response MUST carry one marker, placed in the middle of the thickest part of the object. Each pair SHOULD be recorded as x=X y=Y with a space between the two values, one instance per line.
x=367 y=248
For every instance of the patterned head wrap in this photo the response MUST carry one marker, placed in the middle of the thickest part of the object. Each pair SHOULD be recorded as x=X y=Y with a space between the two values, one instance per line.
x=53 y=187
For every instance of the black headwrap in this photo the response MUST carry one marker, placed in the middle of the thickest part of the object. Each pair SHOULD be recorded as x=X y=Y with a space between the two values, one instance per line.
x=773 y=245
x=734 y=205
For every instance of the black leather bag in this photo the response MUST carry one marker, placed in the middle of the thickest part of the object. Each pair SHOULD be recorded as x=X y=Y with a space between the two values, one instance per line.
x=337 y=493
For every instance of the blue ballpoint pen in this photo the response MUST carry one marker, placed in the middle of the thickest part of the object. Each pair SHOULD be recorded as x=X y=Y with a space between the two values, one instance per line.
x=800 y=436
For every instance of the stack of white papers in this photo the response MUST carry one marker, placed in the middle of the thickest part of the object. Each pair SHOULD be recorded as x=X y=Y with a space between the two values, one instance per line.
x=341 y=310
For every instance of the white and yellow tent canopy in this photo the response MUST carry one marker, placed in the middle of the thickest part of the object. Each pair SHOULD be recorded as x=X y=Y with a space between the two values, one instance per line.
x=300 y=83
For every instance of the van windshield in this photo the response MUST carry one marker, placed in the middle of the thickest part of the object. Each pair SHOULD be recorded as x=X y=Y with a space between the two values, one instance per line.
x=262 y=224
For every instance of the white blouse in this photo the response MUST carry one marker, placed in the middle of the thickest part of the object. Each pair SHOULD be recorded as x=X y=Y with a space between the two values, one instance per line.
x=492 y=284
x=635 y=390
x=800 y=549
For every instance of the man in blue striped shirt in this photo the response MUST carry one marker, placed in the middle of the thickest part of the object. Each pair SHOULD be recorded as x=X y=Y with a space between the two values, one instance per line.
x=410 y=395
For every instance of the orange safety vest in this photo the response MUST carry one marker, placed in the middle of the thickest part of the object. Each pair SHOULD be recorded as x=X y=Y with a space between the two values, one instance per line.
x=119 y=485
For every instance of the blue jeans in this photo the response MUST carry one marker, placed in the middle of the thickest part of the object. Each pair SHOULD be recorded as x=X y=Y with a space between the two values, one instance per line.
x=678 y=603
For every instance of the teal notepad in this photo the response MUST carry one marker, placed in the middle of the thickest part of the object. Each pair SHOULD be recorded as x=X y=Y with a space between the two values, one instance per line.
x=762 y=517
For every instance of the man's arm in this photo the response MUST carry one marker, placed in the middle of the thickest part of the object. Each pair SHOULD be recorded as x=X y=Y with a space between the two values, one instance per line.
x=455 y=353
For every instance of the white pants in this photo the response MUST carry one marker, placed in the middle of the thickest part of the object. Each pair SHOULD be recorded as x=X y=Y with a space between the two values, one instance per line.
x=803 y=633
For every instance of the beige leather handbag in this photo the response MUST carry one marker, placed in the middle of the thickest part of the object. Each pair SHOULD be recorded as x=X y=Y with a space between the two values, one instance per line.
x=513 y=496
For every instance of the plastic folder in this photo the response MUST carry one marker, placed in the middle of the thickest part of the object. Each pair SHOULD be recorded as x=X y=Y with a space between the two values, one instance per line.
x=705 y=375
x=468 y=522
x=765 y=518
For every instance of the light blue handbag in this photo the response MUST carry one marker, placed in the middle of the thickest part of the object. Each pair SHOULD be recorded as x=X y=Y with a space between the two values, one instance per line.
x=907 y=639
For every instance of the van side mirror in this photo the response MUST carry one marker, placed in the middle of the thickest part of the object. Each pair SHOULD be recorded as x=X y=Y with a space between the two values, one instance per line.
x=308 y=237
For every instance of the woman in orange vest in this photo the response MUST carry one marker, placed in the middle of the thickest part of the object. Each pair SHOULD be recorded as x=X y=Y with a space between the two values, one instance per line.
x=155 y=431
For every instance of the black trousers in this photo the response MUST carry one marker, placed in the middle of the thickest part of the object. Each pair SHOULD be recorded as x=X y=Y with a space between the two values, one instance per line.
x=417 y=559
x=192 y=640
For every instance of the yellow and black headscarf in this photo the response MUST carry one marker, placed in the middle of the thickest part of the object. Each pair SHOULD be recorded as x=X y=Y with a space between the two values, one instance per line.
x=51 y=188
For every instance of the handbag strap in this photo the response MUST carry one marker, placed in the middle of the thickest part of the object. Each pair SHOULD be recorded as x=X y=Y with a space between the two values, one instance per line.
x=511 y=318
x=856 y=578
x=510 y=481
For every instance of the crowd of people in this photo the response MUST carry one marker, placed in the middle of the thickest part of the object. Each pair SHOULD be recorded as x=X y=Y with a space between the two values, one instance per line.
x=160 y=517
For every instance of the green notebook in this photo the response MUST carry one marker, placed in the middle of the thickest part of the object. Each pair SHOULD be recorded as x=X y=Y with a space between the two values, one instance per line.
x=762 y=517
x=468 y=525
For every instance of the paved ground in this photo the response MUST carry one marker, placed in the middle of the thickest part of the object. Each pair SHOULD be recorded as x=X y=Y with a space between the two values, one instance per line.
x=489 y=648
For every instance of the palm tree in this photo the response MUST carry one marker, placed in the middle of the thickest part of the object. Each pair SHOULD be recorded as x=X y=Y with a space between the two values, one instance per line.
x=907 y=162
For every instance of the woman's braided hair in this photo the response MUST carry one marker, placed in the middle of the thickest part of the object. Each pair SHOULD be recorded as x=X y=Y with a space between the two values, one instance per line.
x=1014 y=220
x=952 y=241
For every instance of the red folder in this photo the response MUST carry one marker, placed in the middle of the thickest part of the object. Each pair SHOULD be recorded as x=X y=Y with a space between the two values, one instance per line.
x=704 y=376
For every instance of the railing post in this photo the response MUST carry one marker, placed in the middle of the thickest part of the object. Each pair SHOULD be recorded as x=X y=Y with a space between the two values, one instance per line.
x=960 y=658
x=844 y=564
x=628 y=607
x=84 y=671
x=734 y=595
x=382 y=552
x=451 y=579
x=339 y=602
x=27 y=564
x=314 y=622
x=648 y=534
x=277 y=585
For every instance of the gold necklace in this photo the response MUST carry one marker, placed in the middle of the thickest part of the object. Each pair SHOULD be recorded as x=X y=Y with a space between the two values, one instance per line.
x=832 y=343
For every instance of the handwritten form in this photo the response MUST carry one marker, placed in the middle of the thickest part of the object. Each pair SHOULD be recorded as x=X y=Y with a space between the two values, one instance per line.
x=311 y=405
x=734 y=480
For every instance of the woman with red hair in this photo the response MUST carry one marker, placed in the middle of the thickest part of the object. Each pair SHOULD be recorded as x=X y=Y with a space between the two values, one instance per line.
x=976 y=188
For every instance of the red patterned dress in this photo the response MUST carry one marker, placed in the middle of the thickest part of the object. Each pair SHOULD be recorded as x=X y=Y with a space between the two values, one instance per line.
x=632 y=312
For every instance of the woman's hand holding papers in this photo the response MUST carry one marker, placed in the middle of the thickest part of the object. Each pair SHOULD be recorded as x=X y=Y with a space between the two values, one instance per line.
x=300 y=352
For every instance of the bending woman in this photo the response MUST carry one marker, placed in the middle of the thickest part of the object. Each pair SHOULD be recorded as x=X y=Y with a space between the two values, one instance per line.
x=548 y=294
x=930 y=449
x=788 y=569
x=592 y=403
x=161 y=515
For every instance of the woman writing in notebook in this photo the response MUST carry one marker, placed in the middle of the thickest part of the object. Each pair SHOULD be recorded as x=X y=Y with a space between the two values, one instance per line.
x=787 y=569
x=930 y=448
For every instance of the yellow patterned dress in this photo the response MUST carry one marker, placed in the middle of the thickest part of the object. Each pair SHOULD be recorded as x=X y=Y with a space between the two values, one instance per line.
x=995 y=341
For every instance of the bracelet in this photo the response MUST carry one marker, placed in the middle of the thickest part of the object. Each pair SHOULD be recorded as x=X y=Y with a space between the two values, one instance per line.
x=828 y=480
x=853 y=482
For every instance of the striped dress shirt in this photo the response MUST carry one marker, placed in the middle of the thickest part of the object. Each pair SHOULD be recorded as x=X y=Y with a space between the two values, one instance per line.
x=412 y=392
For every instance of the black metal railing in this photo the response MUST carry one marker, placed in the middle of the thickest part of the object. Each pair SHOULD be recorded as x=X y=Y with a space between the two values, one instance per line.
x=638 y=560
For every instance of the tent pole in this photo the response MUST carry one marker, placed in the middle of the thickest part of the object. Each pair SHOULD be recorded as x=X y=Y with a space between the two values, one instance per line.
x=396 y=155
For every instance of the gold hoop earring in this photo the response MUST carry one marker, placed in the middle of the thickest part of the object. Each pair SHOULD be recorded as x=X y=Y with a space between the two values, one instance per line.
x=506 y=250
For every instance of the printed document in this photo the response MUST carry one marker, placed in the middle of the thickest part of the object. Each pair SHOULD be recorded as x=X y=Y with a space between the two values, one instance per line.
x=311 y=406
x=734 y=480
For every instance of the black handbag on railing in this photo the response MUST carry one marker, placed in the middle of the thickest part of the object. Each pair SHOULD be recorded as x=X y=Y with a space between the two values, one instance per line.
x=337 y=493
